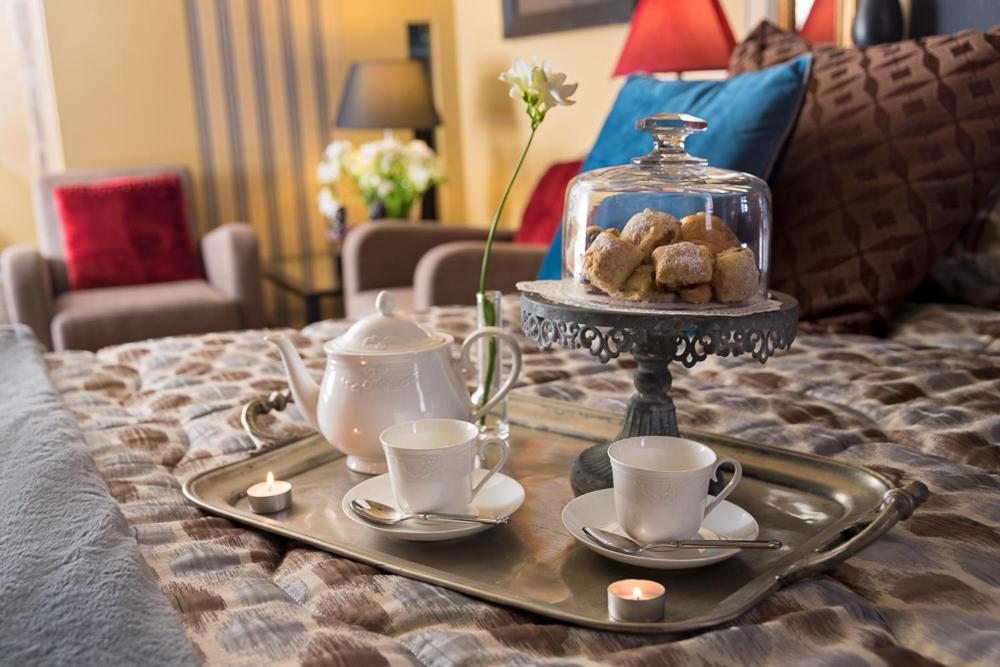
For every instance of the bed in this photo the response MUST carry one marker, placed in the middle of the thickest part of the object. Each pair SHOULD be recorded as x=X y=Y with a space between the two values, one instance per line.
x=922 y=404
x=103 y=561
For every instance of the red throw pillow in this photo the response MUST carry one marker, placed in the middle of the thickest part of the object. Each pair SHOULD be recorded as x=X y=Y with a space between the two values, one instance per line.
x=543 y=214
x=126 y=231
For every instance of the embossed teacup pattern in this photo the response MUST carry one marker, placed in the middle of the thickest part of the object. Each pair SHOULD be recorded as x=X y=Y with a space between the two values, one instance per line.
x=661 y=486
x=431 y=463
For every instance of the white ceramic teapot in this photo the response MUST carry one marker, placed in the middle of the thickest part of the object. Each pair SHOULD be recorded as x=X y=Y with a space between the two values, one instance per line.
x=384 y=370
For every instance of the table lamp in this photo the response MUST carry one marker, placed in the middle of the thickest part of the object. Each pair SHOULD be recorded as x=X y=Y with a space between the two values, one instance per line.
x=676 y=36
x=389 y=94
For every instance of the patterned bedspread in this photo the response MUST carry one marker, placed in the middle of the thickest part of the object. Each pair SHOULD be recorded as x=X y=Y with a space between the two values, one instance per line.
x=924 y=404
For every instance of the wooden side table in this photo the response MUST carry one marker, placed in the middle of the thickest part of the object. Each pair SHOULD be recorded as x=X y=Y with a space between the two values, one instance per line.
x=310 y=277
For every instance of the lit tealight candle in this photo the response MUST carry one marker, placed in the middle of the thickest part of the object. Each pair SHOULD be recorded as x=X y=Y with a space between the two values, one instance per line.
x=271 y=496
x=636 y=600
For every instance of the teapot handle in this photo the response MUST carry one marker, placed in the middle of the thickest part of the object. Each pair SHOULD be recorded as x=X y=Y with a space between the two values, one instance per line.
x=506 y=338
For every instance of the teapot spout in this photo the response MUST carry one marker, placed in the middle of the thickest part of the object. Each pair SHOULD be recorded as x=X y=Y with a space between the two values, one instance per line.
x=305 y=391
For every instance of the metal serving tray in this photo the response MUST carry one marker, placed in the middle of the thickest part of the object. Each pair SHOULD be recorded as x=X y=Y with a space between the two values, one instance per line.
x=824 y=511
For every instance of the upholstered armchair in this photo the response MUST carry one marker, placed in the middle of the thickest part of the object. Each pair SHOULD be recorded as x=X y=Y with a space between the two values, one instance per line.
x=432 y=265
x=425 y=265
x=36 y=286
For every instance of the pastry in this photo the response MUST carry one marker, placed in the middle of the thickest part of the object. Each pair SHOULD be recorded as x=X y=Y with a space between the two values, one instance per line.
x=592 y=233
x=699 y=294
x=609 y=261
x=682 y=265
x=716 y=234
x=649 y=230
x=736 y=276
x=641 y=285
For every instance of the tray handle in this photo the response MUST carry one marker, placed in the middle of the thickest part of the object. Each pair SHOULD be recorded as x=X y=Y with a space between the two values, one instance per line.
x=263 y=440
x=897 y=505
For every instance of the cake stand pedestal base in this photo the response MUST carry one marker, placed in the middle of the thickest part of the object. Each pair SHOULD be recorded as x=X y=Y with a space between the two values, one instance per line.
x=654 y=341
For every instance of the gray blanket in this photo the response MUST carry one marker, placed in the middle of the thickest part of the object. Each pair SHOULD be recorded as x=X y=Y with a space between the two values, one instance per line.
x=73 y=586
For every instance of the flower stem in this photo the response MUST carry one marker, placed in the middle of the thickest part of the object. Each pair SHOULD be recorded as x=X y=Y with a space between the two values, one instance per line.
x=499 y=212
x=490 y=316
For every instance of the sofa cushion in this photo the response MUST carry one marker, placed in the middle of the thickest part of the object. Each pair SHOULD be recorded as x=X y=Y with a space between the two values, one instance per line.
x=92 y=319
x=750 y=117
x=125 y=231
x=896 y=146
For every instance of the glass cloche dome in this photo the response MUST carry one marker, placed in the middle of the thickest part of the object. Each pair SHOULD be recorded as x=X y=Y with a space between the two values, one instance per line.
x=667 y=231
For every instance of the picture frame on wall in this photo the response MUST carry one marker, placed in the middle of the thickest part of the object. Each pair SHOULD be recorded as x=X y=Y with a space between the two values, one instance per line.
x=535 y=17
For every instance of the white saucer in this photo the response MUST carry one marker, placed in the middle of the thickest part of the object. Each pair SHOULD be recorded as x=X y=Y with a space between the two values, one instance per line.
x=502 y=496
x=597 y=509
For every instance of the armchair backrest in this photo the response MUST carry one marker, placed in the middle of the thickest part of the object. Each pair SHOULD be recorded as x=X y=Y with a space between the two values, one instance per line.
x=47 y=222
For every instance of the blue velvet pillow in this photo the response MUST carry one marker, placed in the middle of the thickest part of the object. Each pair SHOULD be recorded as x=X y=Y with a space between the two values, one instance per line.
x=750 y=117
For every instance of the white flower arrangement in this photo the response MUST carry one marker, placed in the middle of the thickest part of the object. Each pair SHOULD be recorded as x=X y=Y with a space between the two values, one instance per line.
x=386 y=171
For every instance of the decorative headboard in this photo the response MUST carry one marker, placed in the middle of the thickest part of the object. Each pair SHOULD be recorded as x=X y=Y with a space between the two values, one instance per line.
x=922 y=17
x=942 y=17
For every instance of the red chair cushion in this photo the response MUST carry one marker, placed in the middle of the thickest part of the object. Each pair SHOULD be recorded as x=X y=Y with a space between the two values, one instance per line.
x=543 y=214
x=127 y=231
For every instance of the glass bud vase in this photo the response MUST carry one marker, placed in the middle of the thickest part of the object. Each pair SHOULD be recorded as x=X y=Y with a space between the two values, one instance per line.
x=376 y=211
x=489 y=353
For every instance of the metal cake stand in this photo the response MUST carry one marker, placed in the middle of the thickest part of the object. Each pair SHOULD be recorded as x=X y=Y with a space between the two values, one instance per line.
x=654 y=341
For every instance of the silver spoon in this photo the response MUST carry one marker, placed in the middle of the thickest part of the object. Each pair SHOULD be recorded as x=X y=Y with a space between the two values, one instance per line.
x=383 y=515
x=627 y=545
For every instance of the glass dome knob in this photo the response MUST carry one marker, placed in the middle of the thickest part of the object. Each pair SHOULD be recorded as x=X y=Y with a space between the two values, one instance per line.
x=669 y=131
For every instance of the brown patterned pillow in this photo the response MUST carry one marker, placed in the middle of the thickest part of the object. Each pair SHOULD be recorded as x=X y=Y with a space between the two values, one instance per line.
x=766 y=46
x=970 y=271
x=895 y=147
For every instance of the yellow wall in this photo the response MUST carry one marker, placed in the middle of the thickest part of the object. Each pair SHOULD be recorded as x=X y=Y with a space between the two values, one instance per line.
x=16 y=162
x=494 y=127
x=122 y=79
x=121 y=74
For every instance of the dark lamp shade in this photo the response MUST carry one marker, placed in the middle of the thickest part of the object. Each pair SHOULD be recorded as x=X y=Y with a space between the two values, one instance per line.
x=382 y=94
x=676 y=36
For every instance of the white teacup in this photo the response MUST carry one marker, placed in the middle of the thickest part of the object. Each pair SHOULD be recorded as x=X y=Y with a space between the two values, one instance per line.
x=431 y=462
x=661 y=486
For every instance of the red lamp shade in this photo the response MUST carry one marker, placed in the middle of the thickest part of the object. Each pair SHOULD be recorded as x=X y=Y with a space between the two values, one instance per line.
x=821 y=23
x=676 y=36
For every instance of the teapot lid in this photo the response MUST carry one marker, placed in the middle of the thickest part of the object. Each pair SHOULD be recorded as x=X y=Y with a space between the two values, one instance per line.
x=385 y=332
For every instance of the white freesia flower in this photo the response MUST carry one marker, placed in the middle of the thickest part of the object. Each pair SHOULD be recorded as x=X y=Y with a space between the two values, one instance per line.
x=327 y=172
x=369 y=180
x=557 y=91
x=419 y=175
x=419 y=150
x=328 y=204
x=337 y=152
x=368 y=153
x=387 y=171
x=539 y=87
x=386 y=161
x=519 y=76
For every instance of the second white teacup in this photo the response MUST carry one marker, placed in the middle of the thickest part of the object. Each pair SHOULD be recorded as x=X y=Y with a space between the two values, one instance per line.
x=661 y=486
x=431 y=461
